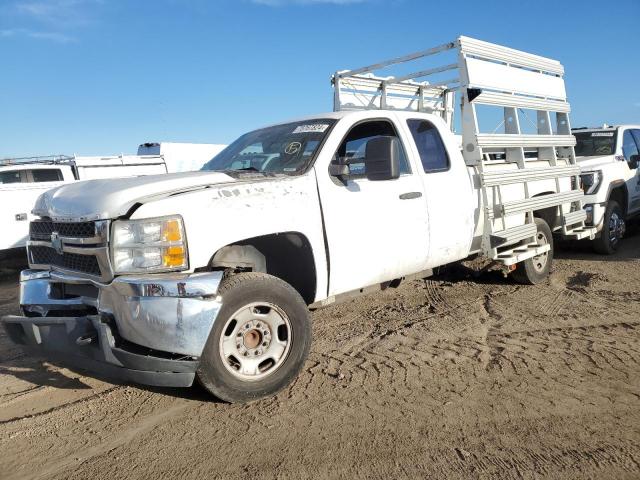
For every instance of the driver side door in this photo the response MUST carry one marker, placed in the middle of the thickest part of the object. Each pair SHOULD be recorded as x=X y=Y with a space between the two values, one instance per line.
x=376 y=230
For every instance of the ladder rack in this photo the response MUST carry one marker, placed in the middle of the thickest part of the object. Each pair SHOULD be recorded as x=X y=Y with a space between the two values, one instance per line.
x=494 y=76
x=42 y=160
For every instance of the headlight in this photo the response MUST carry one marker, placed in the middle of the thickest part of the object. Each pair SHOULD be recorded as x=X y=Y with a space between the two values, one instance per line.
x=149 y=245
x=591 y=182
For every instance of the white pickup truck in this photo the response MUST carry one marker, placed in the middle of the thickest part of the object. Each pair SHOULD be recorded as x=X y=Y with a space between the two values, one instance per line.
x=211 y=274
x=609 y=158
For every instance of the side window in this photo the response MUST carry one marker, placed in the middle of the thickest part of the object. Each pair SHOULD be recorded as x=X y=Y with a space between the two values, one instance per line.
x=636 y=135
x=629 y=146
x=46 y=175
x=433 y=153
x=354 y=146
x=12 y=176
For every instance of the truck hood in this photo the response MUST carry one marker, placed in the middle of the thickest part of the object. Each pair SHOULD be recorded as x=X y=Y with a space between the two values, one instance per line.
x=114 y=197
x=592 y=163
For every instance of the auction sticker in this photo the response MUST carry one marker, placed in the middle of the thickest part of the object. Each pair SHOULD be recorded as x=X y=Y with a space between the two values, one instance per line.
x=602 y=134
x=311 y=128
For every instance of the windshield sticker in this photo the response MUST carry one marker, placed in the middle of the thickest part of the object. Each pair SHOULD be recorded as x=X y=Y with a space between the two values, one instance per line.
x=311 y=128
x=293 y=148
x=602 y=134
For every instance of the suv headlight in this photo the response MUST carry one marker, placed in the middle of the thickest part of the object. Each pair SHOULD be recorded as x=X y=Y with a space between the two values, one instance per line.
x=149 y=245
x=591 y=181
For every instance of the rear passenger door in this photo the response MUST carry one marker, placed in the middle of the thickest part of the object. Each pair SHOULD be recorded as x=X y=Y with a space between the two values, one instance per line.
x=447 y=187
x=631 y=148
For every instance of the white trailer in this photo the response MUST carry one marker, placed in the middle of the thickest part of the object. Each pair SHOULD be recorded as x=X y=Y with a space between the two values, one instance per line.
x=182 y=157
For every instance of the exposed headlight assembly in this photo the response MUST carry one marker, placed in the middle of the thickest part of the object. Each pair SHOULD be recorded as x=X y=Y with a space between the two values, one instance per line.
x=149 y=245
x=591 y=182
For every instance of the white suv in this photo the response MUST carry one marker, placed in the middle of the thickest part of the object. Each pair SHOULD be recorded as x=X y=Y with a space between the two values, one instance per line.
x=609 y=158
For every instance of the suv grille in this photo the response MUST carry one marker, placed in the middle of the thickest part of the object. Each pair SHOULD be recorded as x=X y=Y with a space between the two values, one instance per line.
x=42 y=229
x=41 y=255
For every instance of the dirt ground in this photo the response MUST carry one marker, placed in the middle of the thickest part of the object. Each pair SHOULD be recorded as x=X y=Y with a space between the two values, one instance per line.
x=442 y=378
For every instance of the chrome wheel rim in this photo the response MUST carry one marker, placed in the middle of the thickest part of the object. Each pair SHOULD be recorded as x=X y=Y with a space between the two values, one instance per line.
x=540 y=261
x=617 y=228
x=255 y=341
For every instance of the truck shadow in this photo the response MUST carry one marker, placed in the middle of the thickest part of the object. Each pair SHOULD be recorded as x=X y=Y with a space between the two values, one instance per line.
x=51 y=373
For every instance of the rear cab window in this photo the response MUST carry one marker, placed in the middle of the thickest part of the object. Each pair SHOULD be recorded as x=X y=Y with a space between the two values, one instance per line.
x=433 y=154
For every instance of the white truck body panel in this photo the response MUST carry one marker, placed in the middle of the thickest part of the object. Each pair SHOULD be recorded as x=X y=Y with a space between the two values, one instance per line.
x=182 y=157
x=19 y=198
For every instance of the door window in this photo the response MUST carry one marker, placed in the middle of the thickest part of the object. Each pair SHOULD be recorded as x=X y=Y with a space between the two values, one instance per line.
x=12 y=176
x=433 y=153
x=46 y=175
x=629 y=146
x=636 y=136
x=354 y=146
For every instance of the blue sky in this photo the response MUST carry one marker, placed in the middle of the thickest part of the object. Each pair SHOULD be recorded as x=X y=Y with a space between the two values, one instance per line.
x=102 y=76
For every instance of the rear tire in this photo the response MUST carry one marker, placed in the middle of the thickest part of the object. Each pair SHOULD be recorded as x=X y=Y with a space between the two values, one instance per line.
x=613 y=230
x=536 y=270
x=259 y=341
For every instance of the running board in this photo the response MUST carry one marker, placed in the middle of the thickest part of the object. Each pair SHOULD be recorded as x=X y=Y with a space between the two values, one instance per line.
x=521 y=253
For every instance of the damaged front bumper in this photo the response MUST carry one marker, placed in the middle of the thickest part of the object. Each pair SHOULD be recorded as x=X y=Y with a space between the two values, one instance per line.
x=149 y=329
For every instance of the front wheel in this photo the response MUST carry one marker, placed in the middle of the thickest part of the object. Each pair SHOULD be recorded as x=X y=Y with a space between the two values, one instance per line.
x=259 y=341
x=535 y=270
x=613 y=230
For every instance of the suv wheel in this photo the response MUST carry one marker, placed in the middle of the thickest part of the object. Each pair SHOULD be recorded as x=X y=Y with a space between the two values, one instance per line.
x=613 y=230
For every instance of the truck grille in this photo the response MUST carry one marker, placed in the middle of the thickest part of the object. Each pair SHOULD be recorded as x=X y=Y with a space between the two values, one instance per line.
x=42 y=229
x=41 y=255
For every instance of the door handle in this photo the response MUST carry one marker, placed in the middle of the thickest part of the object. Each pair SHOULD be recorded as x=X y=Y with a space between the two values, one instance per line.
x=21 y=217
x=410 y=195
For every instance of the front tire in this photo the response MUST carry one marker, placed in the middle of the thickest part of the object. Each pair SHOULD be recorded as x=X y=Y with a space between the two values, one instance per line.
x=535 y=270
x=259 y=341
x=613 y=230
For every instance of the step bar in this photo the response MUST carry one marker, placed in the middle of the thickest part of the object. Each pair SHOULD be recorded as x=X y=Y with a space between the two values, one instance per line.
x=506 y=177
x=581 y=232
x=572 y=218
x=537 y=203
x=512 y=235
x=521 y=253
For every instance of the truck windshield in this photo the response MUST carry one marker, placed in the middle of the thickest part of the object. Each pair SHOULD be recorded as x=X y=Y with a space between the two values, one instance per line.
x=595 y=144
x=282 y=149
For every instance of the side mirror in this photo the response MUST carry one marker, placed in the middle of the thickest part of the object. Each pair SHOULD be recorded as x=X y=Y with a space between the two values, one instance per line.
x=634 y=161
x=382 y=158
x=339 y=170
